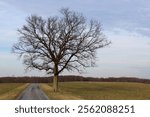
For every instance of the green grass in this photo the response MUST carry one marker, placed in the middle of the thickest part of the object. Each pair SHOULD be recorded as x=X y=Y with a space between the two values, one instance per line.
x=99 y=90
x=10 y=91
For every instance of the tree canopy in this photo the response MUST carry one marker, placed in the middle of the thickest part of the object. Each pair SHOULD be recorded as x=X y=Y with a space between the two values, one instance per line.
x=58 y=43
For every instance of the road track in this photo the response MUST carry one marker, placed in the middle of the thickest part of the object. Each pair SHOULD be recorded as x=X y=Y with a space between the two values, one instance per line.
x=33 y=92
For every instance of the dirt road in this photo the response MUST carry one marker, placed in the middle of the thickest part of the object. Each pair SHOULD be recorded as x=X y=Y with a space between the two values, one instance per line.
x=33 y=92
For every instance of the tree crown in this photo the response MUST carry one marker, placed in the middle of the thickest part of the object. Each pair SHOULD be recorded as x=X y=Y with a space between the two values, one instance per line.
x=57 y=43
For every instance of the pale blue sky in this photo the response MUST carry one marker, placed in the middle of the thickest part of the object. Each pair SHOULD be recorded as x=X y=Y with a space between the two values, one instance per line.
x=125 y=22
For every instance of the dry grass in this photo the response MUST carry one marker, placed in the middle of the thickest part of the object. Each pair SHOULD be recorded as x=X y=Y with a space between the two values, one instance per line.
x=10 y=91
x=99 y=90
x=61 y=95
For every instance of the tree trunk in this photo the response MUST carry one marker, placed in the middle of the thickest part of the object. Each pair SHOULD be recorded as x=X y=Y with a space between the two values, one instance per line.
x=55 y=79
x=55 y=83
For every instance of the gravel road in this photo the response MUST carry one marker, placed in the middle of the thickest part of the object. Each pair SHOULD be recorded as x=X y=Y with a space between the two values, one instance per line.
x=33 y=92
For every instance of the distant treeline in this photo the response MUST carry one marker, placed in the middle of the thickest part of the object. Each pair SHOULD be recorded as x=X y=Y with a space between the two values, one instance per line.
x=69 y=79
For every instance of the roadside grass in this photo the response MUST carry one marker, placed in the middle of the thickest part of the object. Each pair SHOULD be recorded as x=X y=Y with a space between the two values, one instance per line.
x=61 y=95
x=10 y=91
x=99 y=91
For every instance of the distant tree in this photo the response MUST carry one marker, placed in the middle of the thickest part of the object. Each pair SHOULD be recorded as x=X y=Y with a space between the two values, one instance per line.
x=58 y=43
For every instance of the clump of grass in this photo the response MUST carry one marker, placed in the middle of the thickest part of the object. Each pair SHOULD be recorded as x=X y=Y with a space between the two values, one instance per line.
x=99 y=90
x=10 y=91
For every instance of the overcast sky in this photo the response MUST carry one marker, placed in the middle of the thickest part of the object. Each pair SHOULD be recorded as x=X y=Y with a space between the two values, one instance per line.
x=126 y=23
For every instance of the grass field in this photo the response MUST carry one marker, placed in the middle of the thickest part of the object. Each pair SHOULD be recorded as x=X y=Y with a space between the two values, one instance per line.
x=10 y=91
x=99 y=90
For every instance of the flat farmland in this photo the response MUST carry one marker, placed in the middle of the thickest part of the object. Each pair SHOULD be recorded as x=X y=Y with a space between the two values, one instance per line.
x=10 y=91
x=99 y=91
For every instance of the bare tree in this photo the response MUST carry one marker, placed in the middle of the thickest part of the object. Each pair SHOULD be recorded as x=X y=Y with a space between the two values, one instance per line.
x=58 y=43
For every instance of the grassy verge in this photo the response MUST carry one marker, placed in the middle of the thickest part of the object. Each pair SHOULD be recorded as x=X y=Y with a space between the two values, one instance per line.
x=99 y=90
x=61 y=95
x=10 y=91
